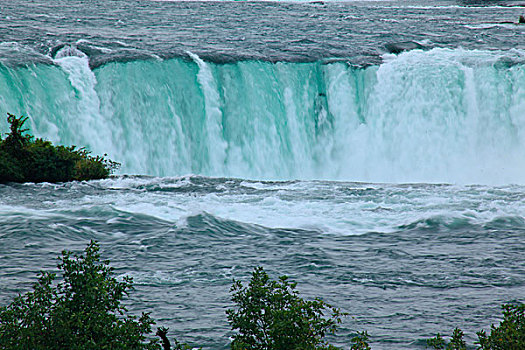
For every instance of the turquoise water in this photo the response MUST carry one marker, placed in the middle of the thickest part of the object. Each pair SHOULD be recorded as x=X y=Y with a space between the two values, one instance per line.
x=372 y=151
x=442 y=115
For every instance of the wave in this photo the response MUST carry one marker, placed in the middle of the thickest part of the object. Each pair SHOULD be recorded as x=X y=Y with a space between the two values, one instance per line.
x=421 y=116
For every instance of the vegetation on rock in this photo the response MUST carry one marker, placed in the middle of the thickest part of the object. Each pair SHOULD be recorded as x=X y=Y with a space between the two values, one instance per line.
x=25 y=159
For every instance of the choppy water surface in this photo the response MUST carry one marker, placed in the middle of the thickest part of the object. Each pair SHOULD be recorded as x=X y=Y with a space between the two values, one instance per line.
x=228 y=31
x=405 y=260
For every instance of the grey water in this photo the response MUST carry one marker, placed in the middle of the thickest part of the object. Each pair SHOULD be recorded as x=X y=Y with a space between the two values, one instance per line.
x=406 y=261
x=370 y=150
x=229 y=31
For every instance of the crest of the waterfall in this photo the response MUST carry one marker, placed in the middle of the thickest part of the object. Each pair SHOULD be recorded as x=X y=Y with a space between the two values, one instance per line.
x=68 y=51
x=84 y=118
x=216 y=145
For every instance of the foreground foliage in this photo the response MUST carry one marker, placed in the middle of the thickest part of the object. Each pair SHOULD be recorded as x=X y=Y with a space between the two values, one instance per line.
x=508 y=335
x=82 y=311
x=24 y=159
x=360 y=341
x=456 y=341
x=271 y=315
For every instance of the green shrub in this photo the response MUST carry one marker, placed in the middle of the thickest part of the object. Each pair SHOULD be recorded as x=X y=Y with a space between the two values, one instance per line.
x=360 y=341
x=82 y=311
x=16 y=139
x=9 y=168
x=271 y=315
x=508 y=335
x=23 y=159
x=456 y=341
x=437 y=343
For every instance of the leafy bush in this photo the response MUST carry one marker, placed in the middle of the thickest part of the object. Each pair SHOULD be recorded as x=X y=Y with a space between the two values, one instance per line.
x=271 y=315
x=360 y=341
x=456 y=341
x=23 y=159
x=82 y=311
x=508 y=335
